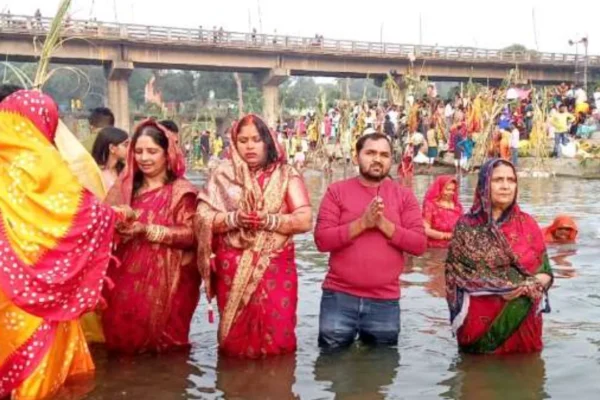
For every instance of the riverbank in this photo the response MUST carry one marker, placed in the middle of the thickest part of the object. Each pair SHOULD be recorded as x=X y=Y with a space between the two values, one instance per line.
x=528 y=166
x=562 y=167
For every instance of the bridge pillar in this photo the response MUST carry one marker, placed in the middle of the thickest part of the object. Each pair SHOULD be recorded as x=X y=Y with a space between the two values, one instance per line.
x=270 y=82
x=118 y=92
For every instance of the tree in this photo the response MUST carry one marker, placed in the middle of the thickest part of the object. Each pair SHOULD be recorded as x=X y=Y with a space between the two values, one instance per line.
x=176 y=86
x=253 y=100
x=87 y=84
x=222 y=84
x=240 y=92
x=137 y=86
x=519 y=48
x=358 y=87
x=299 y=93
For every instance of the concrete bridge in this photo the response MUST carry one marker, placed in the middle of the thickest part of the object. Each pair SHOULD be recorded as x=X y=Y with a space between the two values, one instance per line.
x=272 y=58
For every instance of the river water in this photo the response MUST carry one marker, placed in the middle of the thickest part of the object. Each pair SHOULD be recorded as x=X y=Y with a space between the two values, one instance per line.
x=426 y=364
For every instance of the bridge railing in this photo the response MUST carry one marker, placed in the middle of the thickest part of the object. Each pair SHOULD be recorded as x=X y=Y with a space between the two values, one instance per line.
x=91 y=29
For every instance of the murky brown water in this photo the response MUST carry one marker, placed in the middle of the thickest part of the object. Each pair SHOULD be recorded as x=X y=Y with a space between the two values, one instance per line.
x=426 y=364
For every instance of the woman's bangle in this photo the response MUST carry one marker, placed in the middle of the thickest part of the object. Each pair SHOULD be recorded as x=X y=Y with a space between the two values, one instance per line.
x=272 y=222
x=231 y=220
x=155 y=233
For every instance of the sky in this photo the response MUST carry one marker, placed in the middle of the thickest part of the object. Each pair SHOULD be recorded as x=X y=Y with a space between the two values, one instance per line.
x=537 y=24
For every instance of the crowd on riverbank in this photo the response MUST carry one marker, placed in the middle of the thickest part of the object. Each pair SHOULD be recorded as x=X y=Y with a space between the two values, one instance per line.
x=562 y=118
x=433 y=126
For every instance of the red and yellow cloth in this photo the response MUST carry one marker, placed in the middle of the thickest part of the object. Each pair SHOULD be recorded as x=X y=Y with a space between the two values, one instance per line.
x=55 y=240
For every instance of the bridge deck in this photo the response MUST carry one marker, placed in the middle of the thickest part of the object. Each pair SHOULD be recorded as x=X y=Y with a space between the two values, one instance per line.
x=135 y=33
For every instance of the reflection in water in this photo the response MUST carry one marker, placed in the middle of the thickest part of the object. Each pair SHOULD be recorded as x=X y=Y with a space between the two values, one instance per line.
x=432 y=265
x=571 y=358
x=481 y=377
x=361 y=372
x=75 y=388
x=151 y=377
x=561 y=266
x=267 y=379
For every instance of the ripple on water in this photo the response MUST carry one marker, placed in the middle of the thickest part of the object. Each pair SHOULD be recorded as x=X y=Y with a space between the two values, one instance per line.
x=426 y=364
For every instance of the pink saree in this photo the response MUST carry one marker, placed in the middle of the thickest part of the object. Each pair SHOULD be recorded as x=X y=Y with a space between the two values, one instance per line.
x=440 y=218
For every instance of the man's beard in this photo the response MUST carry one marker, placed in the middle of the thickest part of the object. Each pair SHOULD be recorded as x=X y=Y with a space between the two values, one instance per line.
x=366 y=174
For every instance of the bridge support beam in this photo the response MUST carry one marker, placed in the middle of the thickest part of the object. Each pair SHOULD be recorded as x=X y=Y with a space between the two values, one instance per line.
x=270 y=82
x=118 y=92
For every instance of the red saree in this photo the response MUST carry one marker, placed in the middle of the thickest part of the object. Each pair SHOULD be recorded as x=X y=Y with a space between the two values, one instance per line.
x=266 y=325
x=440 y=218
x=157 y=284
x=406 y=168
x=490 y=258
x=253 y=278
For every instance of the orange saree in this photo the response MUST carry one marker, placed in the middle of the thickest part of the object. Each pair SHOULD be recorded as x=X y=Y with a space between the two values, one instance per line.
x=561 y=222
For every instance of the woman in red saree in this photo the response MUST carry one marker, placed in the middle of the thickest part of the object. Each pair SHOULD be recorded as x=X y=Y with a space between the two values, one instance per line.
x=157 y=284
x=497 y=270
x=55 y=242
x=406 y=168
x=248 y=213
x=563 y=230
x=441 y=211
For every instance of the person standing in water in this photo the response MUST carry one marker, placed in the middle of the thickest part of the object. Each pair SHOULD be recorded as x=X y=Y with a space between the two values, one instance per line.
x=441 y=210
x=55 y=247
x=156 y=287
x=248 y=213
x=563 y=230
x=361 y=291
x=497 y=270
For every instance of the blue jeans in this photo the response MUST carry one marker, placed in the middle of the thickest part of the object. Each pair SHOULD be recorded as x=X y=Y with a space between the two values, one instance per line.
x=559 y=138
x=345 y=317
x=514 y=155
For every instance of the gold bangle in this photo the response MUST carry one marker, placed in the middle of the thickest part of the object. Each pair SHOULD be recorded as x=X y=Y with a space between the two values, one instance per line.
x=278 y=221
x=231 y=220
x=162 y=233
x=272 y=223
x=151 y=233
x=156 y=233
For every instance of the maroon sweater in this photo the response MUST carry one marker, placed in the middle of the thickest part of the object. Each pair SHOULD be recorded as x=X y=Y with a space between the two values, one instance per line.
x=370 y=265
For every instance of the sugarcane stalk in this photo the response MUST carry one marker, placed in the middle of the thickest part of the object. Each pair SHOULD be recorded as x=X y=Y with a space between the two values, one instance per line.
x=51 y=43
